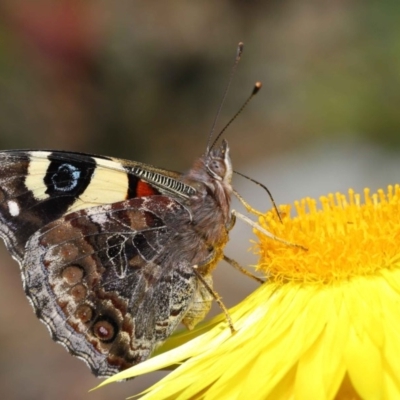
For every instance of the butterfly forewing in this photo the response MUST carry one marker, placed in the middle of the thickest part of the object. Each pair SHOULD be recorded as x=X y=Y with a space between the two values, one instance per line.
x=37 y=187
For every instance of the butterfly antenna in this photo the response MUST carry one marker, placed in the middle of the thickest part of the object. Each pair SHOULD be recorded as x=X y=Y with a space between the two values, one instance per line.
x=239 y=52
x=263 y=187
x=256 y=89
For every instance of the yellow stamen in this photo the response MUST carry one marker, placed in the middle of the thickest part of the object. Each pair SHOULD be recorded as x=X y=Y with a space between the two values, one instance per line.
x=344 y=237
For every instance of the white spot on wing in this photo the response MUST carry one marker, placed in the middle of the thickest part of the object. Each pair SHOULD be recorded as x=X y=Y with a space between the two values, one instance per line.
x=13 y=208
x=100 y=218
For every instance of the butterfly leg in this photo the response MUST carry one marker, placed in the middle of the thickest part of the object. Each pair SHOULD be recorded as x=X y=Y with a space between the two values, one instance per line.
x=202 y=303
x=244 y=271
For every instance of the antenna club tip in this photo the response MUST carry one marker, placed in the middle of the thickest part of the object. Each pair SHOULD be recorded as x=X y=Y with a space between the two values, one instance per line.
x=257 y=87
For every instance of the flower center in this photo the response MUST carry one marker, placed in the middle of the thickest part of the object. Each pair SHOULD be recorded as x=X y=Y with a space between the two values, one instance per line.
x=345 y=237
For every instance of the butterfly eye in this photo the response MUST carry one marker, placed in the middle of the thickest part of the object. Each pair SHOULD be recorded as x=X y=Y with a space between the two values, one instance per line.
x=217 y=168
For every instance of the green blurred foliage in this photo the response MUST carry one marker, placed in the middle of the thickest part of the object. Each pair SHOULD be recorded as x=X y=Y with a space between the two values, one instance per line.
x=130 y=78
x=354 y=87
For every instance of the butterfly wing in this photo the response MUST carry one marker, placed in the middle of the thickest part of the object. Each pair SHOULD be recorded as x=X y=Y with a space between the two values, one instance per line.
x=37 y=187
x=91 y=235
x=102 y=282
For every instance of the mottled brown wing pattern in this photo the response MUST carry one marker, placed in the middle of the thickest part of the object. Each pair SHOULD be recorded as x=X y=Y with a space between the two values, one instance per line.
x=101 y=282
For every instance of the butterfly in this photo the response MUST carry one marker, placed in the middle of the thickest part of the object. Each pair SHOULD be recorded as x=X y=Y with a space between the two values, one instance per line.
x=114 y=254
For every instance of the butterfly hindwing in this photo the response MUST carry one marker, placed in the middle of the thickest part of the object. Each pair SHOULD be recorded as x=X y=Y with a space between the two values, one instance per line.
x=99 y=279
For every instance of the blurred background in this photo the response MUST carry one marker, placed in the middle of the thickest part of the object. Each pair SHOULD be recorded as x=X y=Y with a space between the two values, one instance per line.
x=143 y=80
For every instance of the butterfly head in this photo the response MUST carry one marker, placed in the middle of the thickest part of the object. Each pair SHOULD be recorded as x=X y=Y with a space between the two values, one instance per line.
x=219 y=164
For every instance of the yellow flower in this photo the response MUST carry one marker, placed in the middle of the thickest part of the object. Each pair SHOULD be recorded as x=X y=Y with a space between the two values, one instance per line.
x=326 y=325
